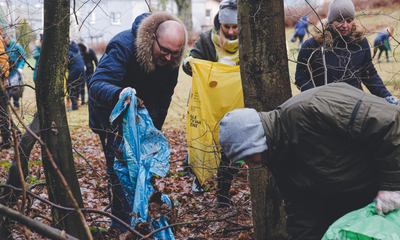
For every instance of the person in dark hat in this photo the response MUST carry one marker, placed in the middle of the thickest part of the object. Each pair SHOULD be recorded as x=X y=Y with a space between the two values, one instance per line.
x=331 y=149
x=219 y=44
x=339 y=52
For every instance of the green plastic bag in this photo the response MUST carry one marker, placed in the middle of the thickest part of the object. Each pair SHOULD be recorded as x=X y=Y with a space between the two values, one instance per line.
x=365 y=224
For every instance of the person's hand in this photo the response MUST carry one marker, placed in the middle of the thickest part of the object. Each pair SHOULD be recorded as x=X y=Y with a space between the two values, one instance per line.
x=6 y=83
x=19 y=70
x=387 y=201
x=128 y=99
x=140 y=103
x=392 y=99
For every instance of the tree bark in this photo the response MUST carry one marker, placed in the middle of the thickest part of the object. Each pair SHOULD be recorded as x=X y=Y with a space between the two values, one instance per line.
x=54 y=129
x=185 y=12
x=266 y=84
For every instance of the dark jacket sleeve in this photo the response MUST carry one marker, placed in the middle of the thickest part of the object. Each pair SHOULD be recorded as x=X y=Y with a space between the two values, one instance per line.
x=370 y=76
x=380 y=130
x=106 y=83
x=303 y=79
x=164 y=99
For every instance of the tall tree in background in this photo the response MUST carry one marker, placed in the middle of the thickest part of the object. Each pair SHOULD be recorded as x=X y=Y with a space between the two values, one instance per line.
x=185 y=12
x=266 y=84
x=50 y=96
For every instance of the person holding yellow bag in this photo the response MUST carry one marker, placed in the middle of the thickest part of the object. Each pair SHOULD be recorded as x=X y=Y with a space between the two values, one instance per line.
x=219 y=44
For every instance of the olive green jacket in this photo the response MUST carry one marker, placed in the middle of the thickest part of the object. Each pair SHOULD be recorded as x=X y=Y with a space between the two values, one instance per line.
x=334 y=139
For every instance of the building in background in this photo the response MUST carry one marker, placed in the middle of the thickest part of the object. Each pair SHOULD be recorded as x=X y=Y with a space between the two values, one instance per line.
x=100 y=20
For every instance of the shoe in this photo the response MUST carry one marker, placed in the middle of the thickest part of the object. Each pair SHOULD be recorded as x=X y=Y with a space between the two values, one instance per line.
x=187 y=170
x=390 y=60
x=16 y=108
x=83 y=103
x=196 y=187
x=75 y=108
x=224 y=201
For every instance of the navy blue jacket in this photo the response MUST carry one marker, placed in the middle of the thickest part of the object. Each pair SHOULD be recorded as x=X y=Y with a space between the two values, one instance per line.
x=301 y=27
x=118 y=68
x=76 y=65
x=352 y=65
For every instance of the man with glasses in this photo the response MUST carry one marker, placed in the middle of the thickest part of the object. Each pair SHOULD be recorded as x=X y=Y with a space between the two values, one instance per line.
x=147 y=59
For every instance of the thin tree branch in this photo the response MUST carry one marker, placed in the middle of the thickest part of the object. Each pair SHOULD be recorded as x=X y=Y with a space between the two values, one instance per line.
x=185 y=223
x=80 y=155
x=89 y=14
x=124 y=224
x=21 y=174
x=37 y=226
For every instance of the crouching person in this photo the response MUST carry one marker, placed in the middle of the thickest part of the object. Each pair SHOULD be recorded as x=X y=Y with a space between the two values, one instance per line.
x=331 y=150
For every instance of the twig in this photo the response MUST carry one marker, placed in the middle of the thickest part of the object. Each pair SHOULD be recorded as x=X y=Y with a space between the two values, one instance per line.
x=76 y=17
x=236 y=229
x=148 y=5
x=80 y=155
x=37 y=184
x=179 y=160
x=21 y=85
x=21 y=174
x=89 y=14
x=37 y=226
x=185 y=223
x=124 y=224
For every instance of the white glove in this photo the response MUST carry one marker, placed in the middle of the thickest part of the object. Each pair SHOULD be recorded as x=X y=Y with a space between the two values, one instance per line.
x=19 y=70
x=387 y=201
x=123 y=90
x=392 y=99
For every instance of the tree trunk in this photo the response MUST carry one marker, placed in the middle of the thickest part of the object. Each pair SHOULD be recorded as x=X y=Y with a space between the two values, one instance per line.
x=266 y=84
x=50 y=96
x=185 y=12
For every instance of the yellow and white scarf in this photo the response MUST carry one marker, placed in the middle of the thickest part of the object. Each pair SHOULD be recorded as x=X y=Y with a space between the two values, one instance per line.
x=229 y=55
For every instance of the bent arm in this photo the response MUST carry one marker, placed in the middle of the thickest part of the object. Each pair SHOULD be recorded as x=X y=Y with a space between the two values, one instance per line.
x=106 y=83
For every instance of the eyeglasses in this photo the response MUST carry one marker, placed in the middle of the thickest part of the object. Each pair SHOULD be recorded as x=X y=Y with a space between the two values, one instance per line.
x=166 y=51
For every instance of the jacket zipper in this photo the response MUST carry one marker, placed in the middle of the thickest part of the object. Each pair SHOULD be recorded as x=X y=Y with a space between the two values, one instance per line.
x=354 y=114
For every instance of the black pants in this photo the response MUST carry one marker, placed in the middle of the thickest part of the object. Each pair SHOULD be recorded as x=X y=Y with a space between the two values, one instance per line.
x=310 y=215
x=382 y=49
x=116 y=195
x=225 y=176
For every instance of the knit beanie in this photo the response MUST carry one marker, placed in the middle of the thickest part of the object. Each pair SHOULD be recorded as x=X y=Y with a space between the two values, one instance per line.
x=241 y=134
x=341 y=9
x=228 y=12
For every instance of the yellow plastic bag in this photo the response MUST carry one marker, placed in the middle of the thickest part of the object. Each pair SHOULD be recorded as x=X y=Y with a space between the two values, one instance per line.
x=216 y=90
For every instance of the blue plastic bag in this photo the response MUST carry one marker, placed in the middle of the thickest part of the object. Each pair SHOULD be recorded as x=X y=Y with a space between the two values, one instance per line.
x=145 y=153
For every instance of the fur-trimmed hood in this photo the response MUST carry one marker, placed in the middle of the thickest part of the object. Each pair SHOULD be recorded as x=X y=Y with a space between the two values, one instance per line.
x=329 y=36
x=144 y=39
